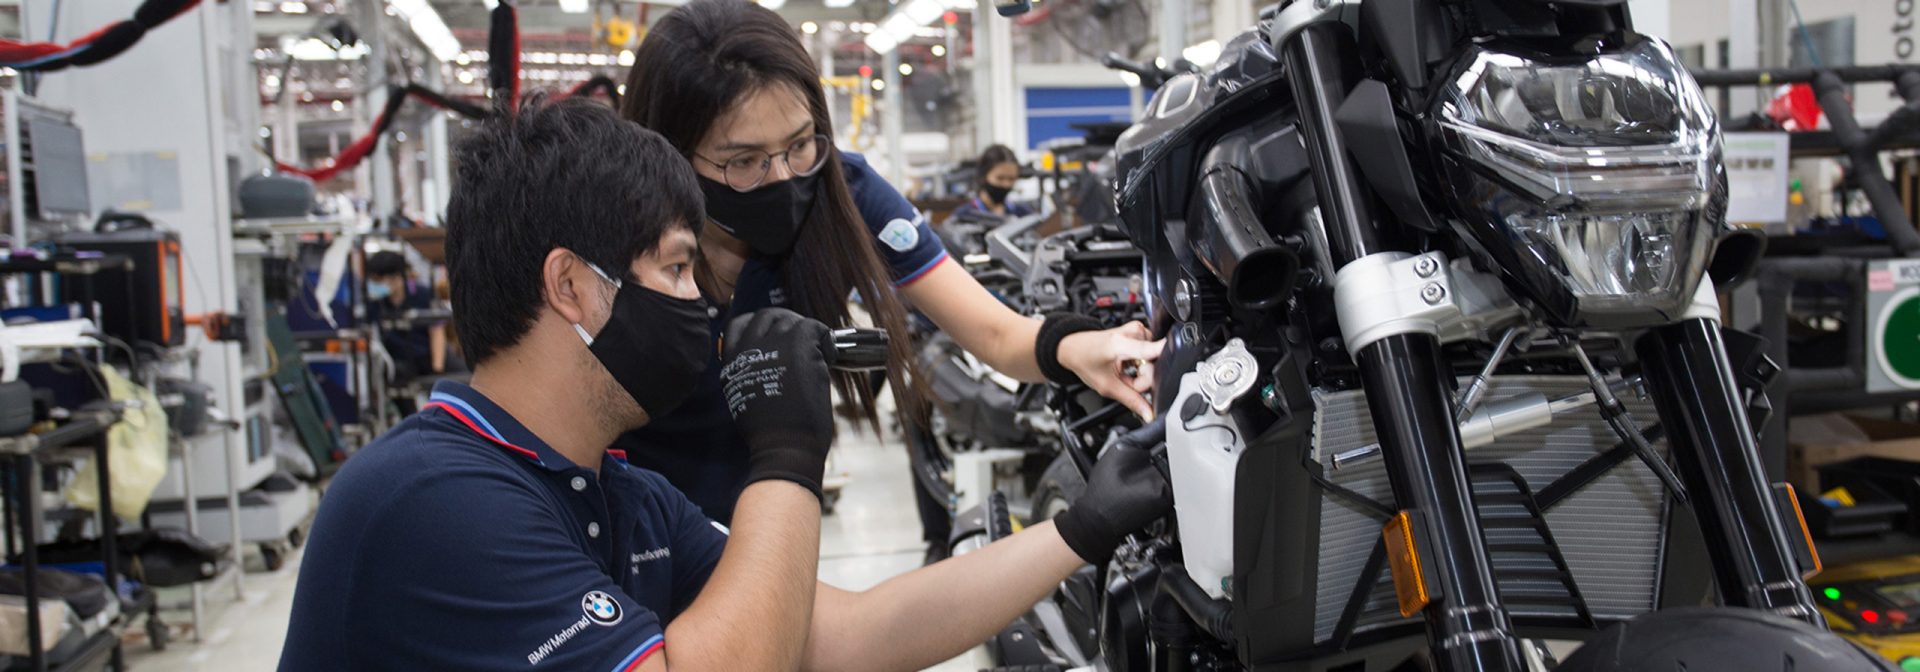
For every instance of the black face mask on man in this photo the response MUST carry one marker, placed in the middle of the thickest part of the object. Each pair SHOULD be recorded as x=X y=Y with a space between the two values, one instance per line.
x=767 y=219
x=655 y=345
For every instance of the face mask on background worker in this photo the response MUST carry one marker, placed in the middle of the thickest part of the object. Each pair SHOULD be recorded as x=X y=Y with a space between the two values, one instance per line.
x=997 y=194
x=655 y=345
x=378 y=291
x=768 y=218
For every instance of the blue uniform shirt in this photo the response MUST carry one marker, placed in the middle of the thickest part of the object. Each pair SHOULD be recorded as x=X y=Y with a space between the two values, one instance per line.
x=696 y=446
x=460 y=541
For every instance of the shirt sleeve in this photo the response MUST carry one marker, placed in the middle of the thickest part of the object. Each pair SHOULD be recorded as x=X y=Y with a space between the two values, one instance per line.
x=470 y=570
x=900 y=231
x=697 y=541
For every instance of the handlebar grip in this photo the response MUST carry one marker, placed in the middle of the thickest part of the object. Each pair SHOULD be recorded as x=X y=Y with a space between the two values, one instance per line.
x=857 y=349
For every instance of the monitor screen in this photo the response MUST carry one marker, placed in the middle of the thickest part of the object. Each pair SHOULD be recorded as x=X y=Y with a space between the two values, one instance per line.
x=59 y=168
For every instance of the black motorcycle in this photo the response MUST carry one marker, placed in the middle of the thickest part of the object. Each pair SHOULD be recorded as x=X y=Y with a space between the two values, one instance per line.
x=1446 y=375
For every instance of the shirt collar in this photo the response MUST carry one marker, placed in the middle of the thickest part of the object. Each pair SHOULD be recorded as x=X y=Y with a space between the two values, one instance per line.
x=480 y=415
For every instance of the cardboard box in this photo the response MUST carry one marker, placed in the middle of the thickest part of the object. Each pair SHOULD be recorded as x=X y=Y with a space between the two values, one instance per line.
x=1834 y=437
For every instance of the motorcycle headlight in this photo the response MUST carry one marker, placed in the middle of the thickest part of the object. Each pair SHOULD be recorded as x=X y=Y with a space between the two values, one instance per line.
x=1589 y=178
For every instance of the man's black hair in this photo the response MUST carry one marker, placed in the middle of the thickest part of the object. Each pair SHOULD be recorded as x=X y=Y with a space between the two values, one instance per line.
x=565 y=174
x=386 y=264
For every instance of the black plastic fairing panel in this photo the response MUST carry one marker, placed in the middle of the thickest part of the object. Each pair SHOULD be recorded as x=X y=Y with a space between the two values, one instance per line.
x=1276 y=533
x=1412 y=34
x=1158 y=156
x=1373 y=138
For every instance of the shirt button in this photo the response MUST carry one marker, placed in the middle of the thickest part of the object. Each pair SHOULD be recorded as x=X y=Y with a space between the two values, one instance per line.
x=712 y=312
x=593 y=530
x=579 y=484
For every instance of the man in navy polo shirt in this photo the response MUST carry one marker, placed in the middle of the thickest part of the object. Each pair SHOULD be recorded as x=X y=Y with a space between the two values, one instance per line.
x=495 y=531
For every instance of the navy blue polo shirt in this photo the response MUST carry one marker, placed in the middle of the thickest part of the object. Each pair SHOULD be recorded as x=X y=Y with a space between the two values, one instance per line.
x=459 y=540
x=696 y=446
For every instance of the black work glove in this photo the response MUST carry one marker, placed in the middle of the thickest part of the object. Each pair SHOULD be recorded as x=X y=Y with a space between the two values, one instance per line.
x=1125 y=492
x=777 y=389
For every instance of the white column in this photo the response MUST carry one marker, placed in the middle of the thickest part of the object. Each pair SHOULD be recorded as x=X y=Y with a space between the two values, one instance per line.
x=1232 y=17
x=439 y=162
x=378 y=166
x=996 y=109
x=893 y=120
x=1743 y=51
x=1173 y=28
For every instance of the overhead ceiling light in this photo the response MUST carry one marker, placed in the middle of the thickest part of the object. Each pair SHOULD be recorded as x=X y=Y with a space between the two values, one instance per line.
x=598 y=59
x=900 y=26
x=427 y=26
x=879 y=85
x=293 y=8
x=338 y=106
x=881 y=42
x=490 y=4
x=463 y=59
x=837 y=4
x=574 y=6
x=626 y=58
x=905 y=69
x=809 y=27
x=464 y=77
x=622 y=89
x=923 y=12
x=939 y=50
x=263 y=7
x=1131 y=80
x=774 y=5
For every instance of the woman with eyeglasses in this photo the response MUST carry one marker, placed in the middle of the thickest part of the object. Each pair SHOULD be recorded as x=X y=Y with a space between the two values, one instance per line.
x=799 y=224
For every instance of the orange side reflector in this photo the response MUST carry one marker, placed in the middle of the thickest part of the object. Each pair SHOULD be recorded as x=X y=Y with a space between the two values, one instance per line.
x=1806 y=534
x=1409 y=582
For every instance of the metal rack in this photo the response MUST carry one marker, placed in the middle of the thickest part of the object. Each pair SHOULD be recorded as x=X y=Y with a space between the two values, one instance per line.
x=1805 y=389
x=87 y=429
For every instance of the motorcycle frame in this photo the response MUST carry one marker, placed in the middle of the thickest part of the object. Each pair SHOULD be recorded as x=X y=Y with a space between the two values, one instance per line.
x=1406 y=386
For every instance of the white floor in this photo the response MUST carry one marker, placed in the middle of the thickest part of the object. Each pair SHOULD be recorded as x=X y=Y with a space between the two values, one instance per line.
x=873 y=534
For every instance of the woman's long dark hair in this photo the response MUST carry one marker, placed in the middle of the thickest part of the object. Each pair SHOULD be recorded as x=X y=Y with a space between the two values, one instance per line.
x=694 y=65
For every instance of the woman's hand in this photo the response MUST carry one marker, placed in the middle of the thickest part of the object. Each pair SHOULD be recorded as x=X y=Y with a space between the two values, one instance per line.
x=1101 y=359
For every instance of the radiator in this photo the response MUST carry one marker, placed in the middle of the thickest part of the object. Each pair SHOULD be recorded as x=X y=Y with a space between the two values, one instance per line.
x=1609 y=532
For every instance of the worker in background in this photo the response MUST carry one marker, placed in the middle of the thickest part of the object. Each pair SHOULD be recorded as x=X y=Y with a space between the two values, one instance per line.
x=495 y=530
x=996 y=172
x=417 y=348
x=802 y=225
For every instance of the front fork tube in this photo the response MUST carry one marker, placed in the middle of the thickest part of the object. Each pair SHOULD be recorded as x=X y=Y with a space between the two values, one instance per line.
x=1467 y=625
x=1714 y=450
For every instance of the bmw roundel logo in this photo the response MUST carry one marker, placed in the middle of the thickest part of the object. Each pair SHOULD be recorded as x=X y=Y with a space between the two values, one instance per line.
x=601 y=608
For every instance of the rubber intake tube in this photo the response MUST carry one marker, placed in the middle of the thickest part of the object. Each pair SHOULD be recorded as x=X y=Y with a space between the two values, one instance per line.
x=1258 y=272
x=1214 y=616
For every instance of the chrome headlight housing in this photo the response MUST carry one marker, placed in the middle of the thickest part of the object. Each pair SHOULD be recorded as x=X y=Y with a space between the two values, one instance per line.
x=1589 y=179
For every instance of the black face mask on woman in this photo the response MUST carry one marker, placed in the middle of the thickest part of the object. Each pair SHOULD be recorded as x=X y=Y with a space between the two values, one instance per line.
x=655 y=345
x=995 y=194
x=767 y=219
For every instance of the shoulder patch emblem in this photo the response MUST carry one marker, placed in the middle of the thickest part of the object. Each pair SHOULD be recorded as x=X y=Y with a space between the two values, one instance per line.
x=901 y=235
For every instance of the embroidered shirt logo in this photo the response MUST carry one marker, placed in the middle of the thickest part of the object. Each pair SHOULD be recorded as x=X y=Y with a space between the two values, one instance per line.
x=901 y=235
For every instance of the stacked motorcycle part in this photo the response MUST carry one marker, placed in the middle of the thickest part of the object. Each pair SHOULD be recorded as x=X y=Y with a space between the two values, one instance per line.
x=1553 y=564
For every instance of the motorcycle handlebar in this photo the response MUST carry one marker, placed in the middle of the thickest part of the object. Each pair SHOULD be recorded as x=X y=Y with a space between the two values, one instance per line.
x=1151 y=76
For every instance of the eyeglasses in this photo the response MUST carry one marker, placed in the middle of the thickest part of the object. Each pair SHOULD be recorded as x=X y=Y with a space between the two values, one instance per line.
x=748 y=169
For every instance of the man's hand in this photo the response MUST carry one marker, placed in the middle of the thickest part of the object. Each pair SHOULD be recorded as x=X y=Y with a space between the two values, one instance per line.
x=777 y=389
x=1102 y=360
x=1125 y=492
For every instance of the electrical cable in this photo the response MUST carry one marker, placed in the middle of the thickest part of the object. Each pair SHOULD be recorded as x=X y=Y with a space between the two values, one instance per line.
x=95 y=47
x=1806 y=38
